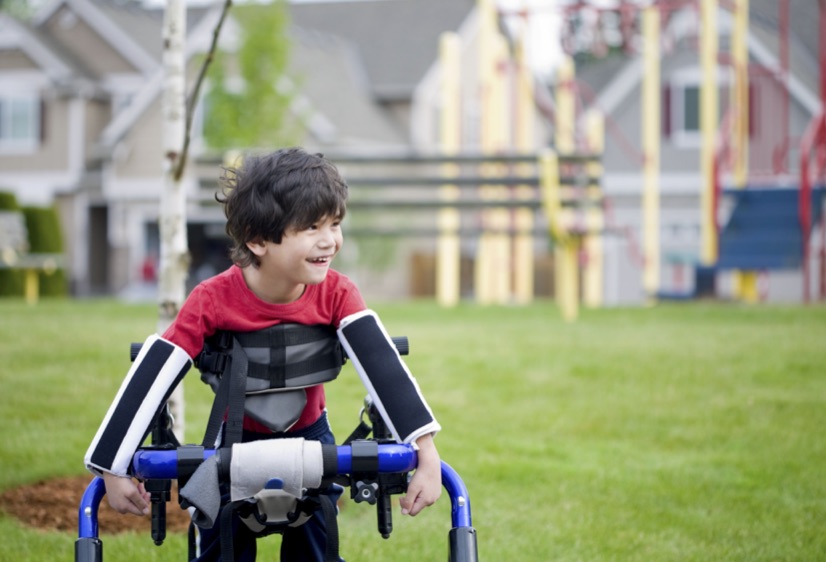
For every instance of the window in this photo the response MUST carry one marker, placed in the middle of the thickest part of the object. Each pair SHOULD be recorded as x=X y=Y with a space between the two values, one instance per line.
x=691 y=109
x=19 y=122
x=681 y=107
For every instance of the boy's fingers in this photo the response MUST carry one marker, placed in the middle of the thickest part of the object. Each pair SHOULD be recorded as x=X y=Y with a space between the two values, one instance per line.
x=406 y=503
x=141 y=505
x=412 y=504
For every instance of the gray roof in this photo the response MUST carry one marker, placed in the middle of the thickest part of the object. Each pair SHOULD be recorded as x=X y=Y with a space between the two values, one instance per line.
x=141 y=25
x=396 y=39
x=764 y=18
x=763 y=26
x=803 y=22
x=330 y=74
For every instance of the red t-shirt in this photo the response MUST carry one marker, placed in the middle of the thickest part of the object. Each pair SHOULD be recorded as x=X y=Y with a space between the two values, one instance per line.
x=224 y=302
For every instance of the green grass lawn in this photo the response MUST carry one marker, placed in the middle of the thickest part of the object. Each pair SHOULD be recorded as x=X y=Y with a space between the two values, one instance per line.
x=680 y=432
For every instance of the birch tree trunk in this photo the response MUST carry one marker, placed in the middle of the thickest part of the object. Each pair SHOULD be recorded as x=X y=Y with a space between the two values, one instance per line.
x=174 y=254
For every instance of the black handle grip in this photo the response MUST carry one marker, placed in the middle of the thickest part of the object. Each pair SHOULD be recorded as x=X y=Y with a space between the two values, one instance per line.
x=402 y=344
x=384 y=514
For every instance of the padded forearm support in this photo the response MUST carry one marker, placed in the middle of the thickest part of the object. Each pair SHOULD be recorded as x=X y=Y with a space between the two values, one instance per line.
x=158 y=368
x=388 y=381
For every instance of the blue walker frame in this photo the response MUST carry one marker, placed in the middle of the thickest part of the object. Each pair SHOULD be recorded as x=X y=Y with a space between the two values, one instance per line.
x=149 y=464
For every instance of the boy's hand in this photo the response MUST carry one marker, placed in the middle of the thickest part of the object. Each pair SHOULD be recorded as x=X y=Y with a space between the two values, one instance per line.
x=125 y=496
x=426 y=485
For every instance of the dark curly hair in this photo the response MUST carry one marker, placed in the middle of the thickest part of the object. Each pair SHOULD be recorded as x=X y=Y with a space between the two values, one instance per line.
x=268 y=194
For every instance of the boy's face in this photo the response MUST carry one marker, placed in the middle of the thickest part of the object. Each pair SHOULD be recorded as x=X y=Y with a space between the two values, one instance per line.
x=303 y=257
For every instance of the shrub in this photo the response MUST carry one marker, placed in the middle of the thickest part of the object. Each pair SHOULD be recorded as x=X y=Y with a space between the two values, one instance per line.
x=11 y=280
x=43 y=225
x=44 y=237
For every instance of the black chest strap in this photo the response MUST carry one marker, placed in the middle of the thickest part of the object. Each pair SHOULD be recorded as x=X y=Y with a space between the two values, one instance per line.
x=229 y=398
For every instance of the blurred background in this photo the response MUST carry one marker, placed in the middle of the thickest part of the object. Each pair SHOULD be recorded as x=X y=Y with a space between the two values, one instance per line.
x=700 y=126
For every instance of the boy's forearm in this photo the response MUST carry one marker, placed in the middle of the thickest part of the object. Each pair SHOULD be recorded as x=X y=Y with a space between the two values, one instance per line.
x=427 y=454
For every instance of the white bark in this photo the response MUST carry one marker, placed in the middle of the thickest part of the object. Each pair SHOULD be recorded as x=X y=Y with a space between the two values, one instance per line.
x=174 y=258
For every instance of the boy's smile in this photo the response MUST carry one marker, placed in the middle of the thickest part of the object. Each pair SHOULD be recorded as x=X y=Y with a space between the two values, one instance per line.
x=302 y=258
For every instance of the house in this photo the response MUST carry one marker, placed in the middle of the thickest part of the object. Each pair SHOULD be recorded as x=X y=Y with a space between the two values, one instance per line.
x=778 y=115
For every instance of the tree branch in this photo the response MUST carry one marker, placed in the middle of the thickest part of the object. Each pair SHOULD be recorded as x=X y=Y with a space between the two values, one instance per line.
x=196 y=89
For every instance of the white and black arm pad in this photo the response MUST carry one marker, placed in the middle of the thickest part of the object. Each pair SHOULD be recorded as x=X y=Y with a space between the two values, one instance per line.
x=388 y=380
x=157 y=369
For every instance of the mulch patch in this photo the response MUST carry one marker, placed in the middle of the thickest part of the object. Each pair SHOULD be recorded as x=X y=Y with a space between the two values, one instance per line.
x=52 y=505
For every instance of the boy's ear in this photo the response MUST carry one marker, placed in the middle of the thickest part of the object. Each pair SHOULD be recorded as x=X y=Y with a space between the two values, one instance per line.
x=257 y=247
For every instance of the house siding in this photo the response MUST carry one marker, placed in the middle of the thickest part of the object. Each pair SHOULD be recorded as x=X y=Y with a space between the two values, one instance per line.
x=53 y=152
x=84 y=44
x=13 y=59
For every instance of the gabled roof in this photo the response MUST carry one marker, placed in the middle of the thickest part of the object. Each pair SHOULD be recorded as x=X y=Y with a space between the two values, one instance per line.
x=331 y=78
x=397 y=40
x=803 y=37
x=17 y=35
x=128 y=30
x=197 y=40
x=327 y=78
x=616 y=77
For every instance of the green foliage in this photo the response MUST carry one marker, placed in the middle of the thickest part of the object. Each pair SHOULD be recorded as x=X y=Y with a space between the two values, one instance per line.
x=252 y=112
x=11 y=280
x=8 y=201
x=45 y=237
x=44 y=230
x=20 y=9
x=675 y=433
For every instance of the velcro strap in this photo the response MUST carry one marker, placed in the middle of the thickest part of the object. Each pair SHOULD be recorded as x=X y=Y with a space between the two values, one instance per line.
x=329 y=459
x=365 y=457
x=189 y=459
x=279 y=374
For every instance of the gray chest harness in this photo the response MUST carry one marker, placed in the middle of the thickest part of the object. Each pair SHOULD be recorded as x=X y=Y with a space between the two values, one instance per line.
x=268 y=371
x=264 y=375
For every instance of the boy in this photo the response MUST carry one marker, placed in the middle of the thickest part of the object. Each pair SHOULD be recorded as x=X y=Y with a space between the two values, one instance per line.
x=284 y=213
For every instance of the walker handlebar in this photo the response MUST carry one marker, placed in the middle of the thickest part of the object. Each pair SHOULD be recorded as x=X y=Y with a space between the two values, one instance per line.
x=149 y=464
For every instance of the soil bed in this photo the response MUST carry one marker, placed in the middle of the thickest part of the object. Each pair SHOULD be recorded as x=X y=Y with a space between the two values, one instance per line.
x=52 y=505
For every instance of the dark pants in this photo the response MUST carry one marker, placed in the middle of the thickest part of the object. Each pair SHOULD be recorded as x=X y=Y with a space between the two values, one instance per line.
x=306 y=543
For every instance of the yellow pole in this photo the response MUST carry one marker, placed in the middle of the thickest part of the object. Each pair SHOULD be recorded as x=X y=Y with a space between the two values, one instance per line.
x=523 y=247
x=549 y=186
x=745 y=282
x=493 y=267
x=565 y=106
x=593 y=271
x=565 y=246
x=500 y=218
x=708 y=129
x=651 y=150
x=448 y=252
x=566 y=249
x=482 y=280
x=31 y=286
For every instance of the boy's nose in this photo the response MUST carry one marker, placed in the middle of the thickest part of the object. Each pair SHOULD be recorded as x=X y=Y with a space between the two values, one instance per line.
x=328 y=239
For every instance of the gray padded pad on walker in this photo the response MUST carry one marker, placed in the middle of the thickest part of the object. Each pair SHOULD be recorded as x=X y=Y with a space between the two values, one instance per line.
x=203 y=493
